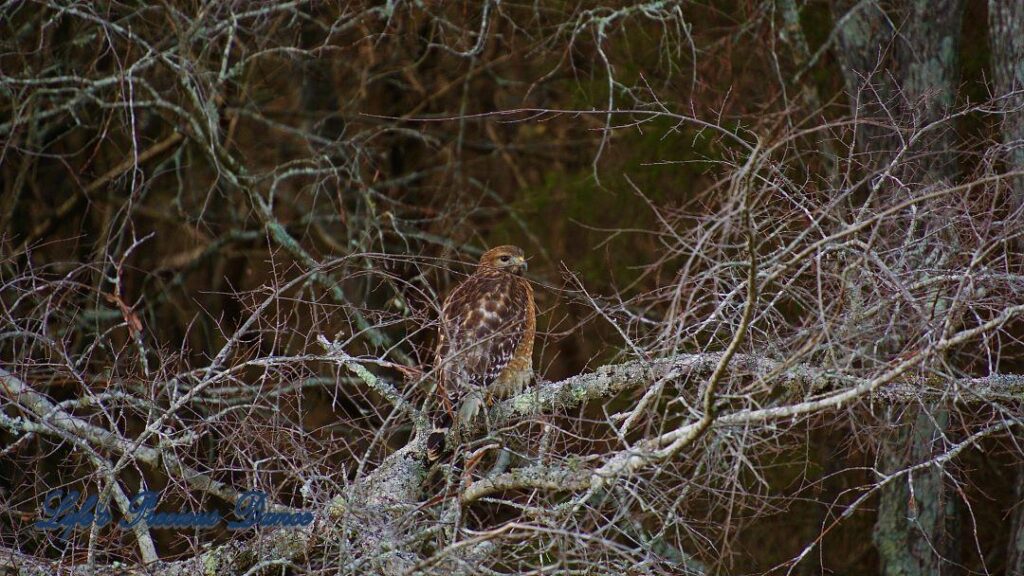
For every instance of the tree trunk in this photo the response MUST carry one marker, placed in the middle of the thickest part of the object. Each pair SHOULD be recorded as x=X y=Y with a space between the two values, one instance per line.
x=1006 y=41
x=915 y=531
x=1015 y=551
x=864 y=37
x=910 y=77
x=1006 y=37
x=928 y=63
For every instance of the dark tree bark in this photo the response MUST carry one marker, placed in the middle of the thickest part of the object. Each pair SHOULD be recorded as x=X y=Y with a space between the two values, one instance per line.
x=915 y=532
x=864 y=40
x=1006 y=41
x=1015 y=551
x=910 y=78
x=1006 y=36
x=928 y=60
x=917 y=521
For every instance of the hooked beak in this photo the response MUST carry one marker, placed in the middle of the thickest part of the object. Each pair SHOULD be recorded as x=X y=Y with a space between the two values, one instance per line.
x=521 y=263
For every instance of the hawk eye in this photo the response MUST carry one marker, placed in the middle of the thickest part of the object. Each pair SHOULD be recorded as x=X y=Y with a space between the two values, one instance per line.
x=504 y=258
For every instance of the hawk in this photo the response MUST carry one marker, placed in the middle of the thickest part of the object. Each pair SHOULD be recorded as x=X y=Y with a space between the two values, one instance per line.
x=485 y=341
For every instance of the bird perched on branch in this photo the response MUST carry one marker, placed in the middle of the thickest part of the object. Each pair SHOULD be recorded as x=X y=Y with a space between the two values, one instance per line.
x=485 y=341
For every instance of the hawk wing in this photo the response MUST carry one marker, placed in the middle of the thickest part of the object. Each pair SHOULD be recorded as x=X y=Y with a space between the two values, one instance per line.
x=482 y=323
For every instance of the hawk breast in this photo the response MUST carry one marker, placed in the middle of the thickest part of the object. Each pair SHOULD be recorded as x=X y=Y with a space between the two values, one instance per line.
x=483 y=323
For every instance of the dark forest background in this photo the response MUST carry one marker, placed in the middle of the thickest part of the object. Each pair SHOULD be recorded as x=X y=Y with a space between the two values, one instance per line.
x=196 y=196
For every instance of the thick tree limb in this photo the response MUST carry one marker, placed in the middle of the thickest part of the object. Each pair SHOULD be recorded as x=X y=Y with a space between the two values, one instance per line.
x=608 y=381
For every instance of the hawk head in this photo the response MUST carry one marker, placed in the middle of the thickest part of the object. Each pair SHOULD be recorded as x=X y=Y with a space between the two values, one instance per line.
x=505 y=258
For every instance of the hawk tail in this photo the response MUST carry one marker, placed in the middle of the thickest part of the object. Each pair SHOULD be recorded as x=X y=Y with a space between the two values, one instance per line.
x=470 y=406
x=436 y=438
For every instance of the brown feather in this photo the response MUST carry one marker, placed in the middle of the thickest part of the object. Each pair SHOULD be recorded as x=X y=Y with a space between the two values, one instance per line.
x=485 y=342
